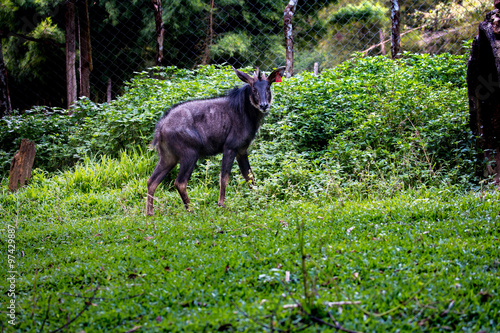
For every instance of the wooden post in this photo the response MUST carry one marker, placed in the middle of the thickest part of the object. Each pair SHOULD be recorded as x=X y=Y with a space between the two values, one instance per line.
x=288 y=29
x=22 y=164
x=395 y=29
x=483 y=85
x=316 y=69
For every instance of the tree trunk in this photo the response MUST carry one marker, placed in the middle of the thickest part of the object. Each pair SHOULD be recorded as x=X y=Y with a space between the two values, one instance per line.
x=210 y=36
x=109 y=91
x=5 y=106
x=382 y=45
x=160 y=31
x=70 y=53
x=288 y=29
x=483 y=85
x=85 y=48
x=22 y=164
x=395 y=29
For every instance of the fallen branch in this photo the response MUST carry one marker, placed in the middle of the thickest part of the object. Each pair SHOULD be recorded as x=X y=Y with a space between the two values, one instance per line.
x=365 y=52
x=46 y=313
x=368 y=313
x=102 y=298
x=336 y=326
x=329 y=304
x=36 y=40
x=87 y=304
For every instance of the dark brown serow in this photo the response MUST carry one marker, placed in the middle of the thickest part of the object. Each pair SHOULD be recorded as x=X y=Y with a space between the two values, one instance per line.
x=226 y=125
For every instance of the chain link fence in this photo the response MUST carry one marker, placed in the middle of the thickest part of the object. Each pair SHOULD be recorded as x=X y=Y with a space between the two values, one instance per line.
x=236 y=32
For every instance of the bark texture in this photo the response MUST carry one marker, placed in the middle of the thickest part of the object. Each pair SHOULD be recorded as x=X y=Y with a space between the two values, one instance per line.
x=22 y=164
x=288 y=29
x=483 y=77
x=5 y=106
x=85 y=48
x=70 y=53
x=395 y=29
x=160 y=31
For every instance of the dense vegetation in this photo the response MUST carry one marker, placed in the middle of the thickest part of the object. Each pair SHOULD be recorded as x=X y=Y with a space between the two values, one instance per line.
x=406 y=121
x=367 y=194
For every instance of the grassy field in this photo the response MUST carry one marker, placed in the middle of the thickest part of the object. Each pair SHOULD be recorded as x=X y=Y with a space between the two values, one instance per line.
x=89 y=260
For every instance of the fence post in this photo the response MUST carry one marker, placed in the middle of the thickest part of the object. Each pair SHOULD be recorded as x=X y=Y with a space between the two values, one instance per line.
x=395 y=29
x=288 y=29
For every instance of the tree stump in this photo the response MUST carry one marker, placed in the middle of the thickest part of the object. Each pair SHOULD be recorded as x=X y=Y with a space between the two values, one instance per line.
x=483 y=77
x=22 y=164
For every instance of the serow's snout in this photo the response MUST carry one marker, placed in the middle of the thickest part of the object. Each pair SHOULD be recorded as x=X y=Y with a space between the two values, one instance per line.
x=264 y=106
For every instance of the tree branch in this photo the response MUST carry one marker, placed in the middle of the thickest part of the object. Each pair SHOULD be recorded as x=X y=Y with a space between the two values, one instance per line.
x=32 y=39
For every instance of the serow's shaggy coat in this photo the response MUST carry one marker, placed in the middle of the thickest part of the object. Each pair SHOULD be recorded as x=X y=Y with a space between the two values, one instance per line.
x=206 y=127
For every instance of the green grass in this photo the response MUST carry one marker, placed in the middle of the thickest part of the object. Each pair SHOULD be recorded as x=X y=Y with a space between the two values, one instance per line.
x=429 y=256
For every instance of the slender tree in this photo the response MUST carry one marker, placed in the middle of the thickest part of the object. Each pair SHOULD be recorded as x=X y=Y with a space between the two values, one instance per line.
x=85 y=47
x=210 y=36
x=160 y=31
x=288 y=29
x=5 y=106
x=70 y=53
x=395 y=29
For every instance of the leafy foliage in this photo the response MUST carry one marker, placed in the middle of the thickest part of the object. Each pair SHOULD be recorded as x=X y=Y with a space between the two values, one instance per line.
x=365 y=120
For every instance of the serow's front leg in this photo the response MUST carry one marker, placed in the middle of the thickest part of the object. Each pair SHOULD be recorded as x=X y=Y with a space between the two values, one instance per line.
x=244 y=165
x=225 y=170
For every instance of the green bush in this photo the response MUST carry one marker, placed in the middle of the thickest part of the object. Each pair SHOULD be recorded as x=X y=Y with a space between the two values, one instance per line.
x=366 y=120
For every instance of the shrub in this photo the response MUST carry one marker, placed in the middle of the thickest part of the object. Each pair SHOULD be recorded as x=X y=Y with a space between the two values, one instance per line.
x=366 y=120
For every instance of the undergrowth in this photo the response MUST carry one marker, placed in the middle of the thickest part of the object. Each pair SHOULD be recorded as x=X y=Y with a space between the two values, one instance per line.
x=418 y=260
x=369 y=118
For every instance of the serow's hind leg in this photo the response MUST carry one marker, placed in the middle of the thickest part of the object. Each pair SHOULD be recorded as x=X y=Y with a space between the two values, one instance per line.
x=187 y=164
x=161 y=170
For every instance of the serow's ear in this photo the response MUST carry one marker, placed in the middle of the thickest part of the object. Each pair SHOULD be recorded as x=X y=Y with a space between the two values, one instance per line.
x=244 y=76
x=278 y=72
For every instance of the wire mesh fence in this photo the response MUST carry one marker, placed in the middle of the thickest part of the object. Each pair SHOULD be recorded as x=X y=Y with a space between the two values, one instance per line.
x=124 y=37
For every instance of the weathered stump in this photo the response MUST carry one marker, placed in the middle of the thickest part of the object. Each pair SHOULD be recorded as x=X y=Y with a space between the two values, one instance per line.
x=483 y=77
x=22 y=164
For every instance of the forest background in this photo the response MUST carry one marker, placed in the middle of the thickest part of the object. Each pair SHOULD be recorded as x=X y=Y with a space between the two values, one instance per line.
x=113 y=39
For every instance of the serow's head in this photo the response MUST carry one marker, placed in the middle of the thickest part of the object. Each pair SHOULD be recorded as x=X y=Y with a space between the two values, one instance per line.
x=260 y=87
